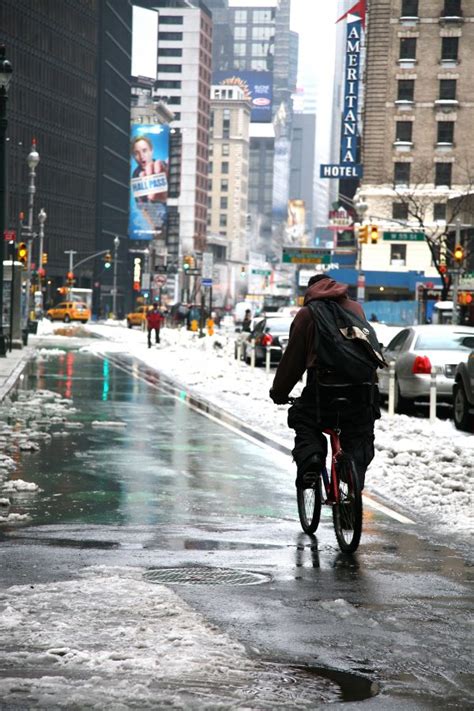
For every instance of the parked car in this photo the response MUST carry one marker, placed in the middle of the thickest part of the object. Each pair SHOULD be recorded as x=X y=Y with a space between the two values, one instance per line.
x=69 y=311
x=416 y=350
x=137 y=317
x=271 y=331
x=463 y=395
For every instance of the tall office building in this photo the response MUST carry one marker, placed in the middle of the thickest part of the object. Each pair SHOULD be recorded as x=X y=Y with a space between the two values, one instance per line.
x=303 y=135
x=69 y=91
x=183 y=81
x=228 y=186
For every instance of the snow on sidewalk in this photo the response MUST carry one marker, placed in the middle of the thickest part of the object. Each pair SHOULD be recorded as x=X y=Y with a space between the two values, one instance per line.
x=419 y=466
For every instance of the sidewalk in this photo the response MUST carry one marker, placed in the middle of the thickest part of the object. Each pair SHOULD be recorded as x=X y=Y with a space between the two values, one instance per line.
x=10 y=369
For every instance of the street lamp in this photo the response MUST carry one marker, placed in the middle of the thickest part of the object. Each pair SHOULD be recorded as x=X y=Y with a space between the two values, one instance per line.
x=114 y=295
x=5 y=76
x=32 y=161
x=42 y=217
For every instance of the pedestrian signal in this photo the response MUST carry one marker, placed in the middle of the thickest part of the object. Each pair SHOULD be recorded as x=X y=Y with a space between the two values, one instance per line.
x=22 y=253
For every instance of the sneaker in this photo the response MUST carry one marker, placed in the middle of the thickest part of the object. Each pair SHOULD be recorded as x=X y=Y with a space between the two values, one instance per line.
x=311 y=471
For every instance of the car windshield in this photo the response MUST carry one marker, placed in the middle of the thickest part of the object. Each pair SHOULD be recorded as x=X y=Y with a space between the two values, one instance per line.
x=279 y=325
x=445 y=341
x=80 y=307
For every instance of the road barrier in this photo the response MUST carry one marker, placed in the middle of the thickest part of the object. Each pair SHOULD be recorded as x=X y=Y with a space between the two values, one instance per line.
x=433 y=392
x=391 y=389
x=252 y=352
x=268 y=356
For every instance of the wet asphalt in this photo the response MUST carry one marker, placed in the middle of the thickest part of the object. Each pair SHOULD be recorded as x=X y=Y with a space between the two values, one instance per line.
x=145 y=481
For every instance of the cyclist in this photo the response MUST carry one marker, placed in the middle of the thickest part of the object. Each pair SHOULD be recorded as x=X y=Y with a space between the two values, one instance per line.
x=315 y=410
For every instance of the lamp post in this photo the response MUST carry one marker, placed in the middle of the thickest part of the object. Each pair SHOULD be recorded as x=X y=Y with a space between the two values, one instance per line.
x=42 y=217
x=32 y=160
x=114 y=295
x=5 y=76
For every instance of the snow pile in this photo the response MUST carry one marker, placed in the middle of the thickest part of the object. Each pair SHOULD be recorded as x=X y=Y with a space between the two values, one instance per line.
x=417 y=465
x=128 y=644
x=20 y=485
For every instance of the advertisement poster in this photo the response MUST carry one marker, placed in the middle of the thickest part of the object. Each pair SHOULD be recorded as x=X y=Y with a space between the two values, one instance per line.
x=258 y=88
x=149 y=162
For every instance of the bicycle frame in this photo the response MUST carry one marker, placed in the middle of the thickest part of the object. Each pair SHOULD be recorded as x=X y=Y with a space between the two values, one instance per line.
x=331 y=485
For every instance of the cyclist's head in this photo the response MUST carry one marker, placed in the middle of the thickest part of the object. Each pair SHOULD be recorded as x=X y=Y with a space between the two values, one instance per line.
x=315 y=279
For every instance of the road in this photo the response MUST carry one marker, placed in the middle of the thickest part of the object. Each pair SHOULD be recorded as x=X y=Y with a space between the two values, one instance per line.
x=139 y=482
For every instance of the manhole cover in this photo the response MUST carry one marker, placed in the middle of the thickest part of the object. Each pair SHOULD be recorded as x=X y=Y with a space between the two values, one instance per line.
x=204 y=576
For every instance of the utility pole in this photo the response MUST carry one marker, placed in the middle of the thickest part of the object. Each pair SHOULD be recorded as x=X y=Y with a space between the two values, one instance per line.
x=456 y=274
x=71 y=253
x=114 y=295
x=41 y=219
x=33 y=159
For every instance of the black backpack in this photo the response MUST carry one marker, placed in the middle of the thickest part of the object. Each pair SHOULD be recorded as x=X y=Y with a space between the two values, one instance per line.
x=346 y=344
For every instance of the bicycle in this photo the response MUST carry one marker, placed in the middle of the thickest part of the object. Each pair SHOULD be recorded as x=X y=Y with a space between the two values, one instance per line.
x=339 y=489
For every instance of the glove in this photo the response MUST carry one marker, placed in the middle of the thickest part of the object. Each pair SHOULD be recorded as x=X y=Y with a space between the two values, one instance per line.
x=278 y=398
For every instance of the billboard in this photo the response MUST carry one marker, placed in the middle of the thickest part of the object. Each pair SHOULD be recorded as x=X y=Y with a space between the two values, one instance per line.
x=144 y=42
x=149 y=161
x=258 y=88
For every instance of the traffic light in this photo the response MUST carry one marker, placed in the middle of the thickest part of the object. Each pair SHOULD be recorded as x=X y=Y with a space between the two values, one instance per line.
x=364 y=234
x=458 y=255
x=44 y=258
x=70 y=278
x=243 y=273
x=22 y=253
x=188 y=262
x=107 y=260
x=465 y=298
x=374 y=234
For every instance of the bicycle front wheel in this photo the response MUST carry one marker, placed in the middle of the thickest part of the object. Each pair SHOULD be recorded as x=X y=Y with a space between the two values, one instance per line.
x=347 y=514
x=309 y=506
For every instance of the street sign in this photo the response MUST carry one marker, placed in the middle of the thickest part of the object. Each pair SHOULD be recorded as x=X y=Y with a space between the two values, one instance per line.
x=193 y=272
x=466 y=282
x=9 y=235
x=340 y=170
x=262 y=272
x=404 y=236
x=305 y=255
x=145 y=280
x=206 y=282
x=207 y=265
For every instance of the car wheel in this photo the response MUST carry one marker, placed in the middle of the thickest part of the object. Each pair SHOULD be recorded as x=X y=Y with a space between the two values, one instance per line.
x=403 y=406
x=129 y=324
x=66 y=319
x=50 y=318
x=461 y=408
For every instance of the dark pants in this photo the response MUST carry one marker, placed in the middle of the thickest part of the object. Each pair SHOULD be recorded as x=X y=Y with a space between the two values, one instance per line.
x=157 y=335
x=308 y=418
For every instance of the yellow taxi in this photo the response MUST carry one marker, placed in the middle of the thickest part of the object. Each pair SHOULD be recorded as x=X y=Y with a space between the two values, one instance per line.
x=137 y=317
x=69 y=311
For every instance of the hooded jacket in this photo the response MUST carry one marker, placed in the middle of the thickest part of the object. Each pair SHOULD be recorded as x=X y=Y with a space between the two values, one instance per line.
x=300 y=353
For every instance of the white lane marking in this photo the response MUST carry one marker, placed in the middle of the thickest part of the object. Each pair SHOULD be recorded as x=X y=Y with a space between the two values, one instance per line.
x=385 y=509
x=368 y=499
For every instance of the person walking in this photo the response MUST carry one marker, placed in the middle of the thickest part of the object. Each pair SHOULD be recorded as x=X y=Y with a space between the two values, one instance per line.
x=154 y=320
x=328 y=309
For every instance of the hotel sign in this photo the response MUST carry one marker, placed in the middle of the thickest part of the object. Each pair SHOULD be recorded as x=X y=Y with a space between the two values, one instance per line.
x=348 y=166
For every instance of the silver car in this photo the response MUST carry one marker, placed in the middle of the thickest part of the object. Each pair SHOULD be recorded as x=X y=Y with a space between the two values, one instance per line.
x=416 y=350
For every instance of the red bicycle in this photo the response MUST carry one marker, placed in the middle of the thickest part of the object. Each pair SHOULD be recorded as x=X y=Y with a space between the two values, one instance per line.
x=340 y=489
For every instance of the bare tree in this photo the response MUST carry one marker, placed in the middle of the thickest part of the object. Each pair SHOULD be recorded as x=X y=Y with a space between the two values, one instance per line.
x=418 y=198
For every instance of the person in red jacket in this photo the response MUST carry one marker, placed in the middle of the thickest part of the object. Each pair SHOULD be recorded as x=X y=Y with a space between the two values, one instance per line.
x=313 y=411
x=153 y=321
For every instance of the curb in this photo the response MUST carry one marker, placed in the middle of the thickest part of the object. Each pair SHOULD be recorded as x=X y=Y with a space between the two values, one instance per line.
x=11 y=380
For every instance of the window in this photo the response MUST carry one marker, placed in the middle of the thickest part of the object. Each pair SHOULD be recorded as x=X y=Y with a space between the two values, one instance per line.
x=240 y=17
x=171 y=20
x=445 y=131
x=223 y=220
x=398 y=255
x=240 y=33
x=259 y=49
x=210 y=167
x=401 y=175
x=170 y=36
x=262 y=33
x=225 y=167
x=260 y=65
x=397 y=342
x=170 y=52
x=404 y=131
x=174 y=100
x=409 y=8
x=443 y=172
x=439 y=211
x=408 y=48
x=224 y=203
x=449 y=49
x=224 y=186
x=225 y=149
x=399 y=211
x=261 y=16
x=169 y=68
x=239 y=49
x=167 y=84
x=406 y=89
x=452 y=8
x=447 y=89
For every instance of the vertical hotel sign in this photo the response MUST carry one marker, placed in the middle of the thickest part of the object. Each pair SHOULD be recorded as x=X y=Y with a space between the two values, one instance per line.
x=348 y=167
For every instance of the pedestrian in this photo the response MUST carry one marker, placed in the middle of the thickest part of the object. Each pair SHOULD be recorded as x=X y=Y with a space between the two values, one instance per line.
x=331 y=374
x=153 y=321
x=246 y=323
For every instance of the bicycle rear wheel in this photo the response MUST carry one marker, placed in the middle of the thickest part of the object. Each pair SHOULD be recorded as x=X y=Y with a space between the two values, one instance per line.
x=347 y=514
x=309 y=506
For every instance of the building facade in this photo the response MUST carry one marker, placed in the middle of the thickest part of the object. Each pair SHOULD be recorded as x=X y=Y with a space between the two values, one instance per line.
x=418 y=115
x=228 y=185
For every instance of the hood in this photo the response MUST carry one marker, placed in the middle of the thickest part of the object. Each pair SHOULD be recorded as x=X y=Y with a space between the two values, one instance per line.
x=325 y=289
